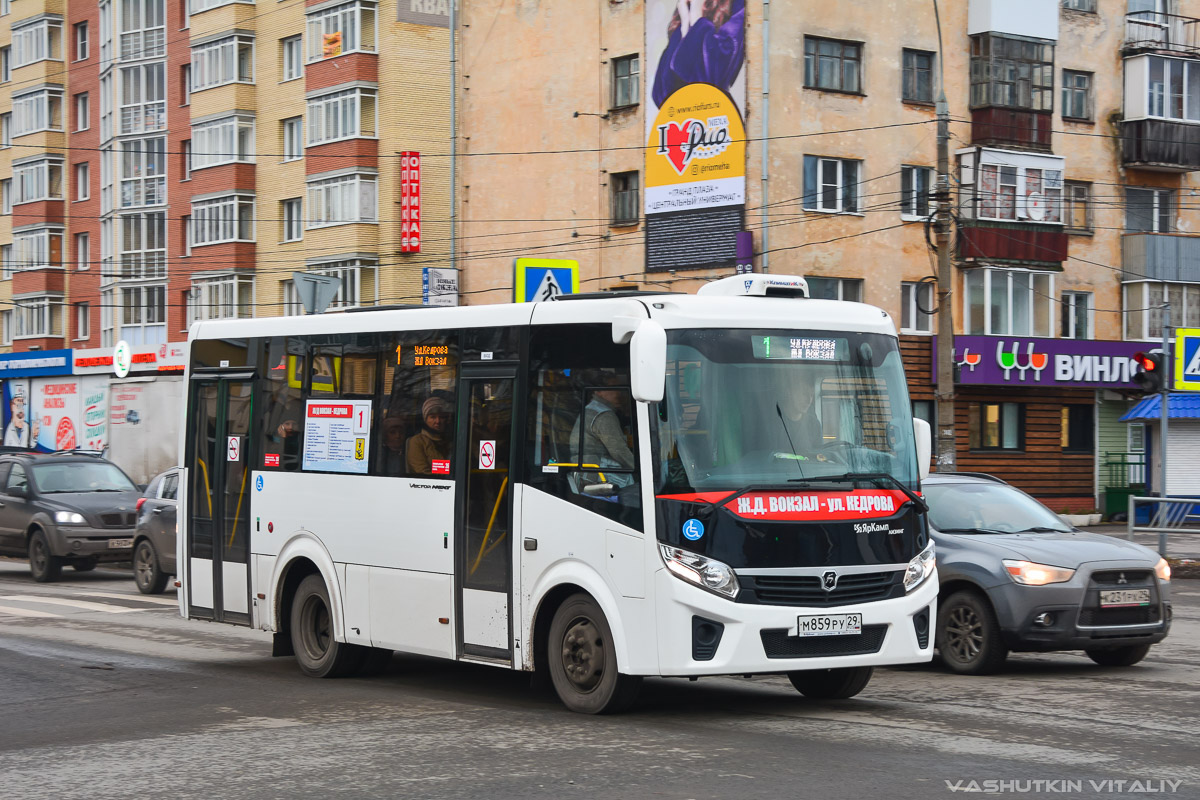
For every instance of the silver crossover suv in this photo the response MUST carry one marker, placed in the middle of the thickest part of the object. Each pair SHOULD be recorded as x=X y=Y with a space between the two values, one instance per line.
x=1015 y=577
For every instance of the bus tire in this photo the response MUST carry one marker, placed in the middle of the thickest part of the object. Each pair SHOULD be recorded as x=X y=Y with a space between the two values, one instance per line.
x=583 y=661
x=318 y=653
x=831 y=684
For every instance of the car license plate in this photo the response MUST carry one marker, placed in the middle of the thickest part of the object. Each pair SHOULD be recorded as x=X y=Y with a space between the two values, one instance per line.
x=829 y=625
x=1110 y=598
x=120 y=544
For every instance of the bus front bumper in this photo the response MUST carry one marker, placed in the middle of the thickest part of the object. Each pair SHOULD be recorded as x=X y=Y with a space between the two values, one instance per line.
x=758 y=639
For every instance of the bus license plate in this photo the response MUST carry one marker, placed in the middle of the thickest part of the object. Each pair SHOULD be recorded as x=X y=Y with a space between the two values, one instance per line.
x=1110 y=598
x=829 y=625
x=120 y=544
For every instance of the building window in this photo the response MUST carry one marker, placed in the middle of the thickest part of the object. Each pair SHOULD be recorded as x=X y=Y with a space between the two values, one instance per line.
x=143 y=30
x=6 y=321
x=143 y=246
x=143 y=105
x=82 y=254
x=626 y=81
x=222 y=141
x=5 y=64
x=1078 y=429
x=1080 y=5
x=1077 y=94
x=38 y=249
x=225 y=219
x=143 y=314
x=917 y=76
x=83 y=181
x=1004 y=302
x=82 y=112
x=7 y=267
x=1077 y=213
x=1077 y=315
x=293 y=60
x=625 y=193
x=996 y=426
x=227 y=60
x=293 y=138
x=106 y=107
x=835 y=288
x=185 y=222
x=831 y=184
x=185 y=160
x=832 y=65
x=83 y=320
x=38 y=180
x=37 y=317
x=108 y=317
x=37 y=41
x=342 y=29
x=916 y=303
x=1149 y=210
x=222 y=297
x=1174 y=88
x=338 y=201
x=81 y=41
x=1019 y=193
x=341 y=115
x=40 y=110
x=292 y=307
x=916 y=192
x=293 y=220
x=185 y=85
x=143 y=171
x=1143 y=303
x=196 y=6
x=1011 y=72
x=6 y=195
x=6 y=130
x=357 y=277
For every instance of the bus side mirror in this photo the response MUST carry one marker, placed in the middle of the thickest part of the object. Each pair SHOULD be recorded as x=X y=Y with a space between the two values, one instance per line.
x=924 y=446
x=648 y=362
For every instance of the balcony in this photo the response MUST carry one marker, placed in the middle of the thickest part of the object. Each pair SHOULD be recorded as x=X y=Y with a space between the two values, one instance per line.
x=1160 y=145
x=1011 y=127
x=1013 y=244
x=1160 y=257
x=1151 y=31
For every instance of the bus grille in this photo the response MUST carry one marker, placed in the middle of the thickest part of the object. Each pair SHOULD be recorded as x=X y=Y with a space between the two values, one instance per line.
x=778 y=644
x=806 y=590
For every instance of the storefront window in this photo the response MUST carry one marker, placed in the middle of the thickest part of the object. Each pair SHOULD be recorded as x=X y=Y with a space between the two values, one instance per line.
x=1077 y=429
x=996 y=426
x=1005 y=302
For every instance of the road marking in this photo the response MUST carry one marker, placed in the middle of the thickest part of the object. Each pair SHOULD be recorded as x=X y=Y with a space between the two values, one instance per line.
x=82 y=605
x=27 y=612
x=161 y=601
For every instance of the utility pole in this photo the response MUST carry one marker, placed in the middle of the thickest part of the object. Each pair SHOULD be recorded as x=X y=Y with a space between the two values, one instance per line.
x=1164 y=394
x=947 y=456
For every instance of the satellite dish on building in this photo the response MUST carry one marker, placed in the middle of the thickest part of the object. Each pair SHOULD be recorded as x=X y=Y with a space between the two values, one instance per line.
x=315 y=291
x=1035 y=206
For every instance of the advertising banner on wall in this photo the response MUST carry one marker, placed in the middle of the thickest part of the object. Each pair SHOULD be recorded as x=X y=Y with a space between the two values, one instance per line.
x=1048 y=363
x=695 y=190
x=49 y=414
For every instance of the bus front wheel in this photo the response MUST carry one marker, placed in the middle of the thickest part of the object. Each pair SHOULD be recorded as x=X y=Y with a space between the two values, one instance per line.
x=583 y=661
x=831 y=684
x=318 y=653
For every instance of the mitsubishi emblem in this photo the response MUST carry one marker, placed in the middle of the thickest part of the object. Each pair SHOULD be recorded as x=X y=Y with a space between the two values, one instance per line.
x=829 y=580
x=1122 y=579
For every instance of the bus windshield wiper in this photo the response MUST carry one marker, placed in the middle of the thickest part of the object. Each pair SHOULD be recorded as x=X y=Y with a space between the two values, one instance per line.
x=874 y=477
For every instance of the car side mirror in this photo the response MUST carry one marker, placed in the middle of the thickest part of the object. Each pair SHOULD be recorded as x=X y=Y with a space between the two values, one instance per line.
x=17 y=491
x=924 y=442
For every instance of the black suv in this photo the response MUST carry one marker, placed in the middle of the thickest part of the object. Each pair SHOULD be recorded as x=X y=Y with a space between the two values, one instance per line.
x=65 y=509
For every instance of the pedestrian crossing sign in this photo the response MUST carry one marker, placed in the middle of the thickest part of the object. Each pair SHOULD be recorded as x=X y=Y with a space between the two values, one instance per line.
x=538 y=279
x=1187 y=359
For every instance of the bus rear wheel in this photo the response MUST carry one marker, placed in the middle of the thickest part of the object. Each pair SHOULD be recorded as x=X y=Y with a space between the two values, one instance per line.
x=583 y=661
x=318 y=653
x=831 y=684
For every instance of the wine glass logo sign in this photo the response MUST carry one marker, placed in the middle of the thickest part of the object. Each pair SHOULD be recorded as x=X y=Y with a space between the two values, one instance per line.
x=969 y=359
x=1009 y=361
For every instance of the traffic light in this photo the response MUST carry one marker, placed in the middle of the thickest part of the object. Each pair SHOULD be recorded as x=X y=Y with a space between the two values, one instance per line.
x=1151 y=374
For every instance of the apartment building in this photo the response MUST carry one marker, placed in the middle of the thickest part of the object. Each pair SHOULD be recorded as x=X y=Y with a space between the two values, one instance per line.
x=1074 y=146
x=166 y=161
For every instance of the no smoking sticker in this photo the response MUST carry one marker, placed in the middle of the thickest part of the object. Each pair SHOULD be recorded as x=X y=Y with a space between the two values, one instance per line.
x=233 y=448
x=487 y=454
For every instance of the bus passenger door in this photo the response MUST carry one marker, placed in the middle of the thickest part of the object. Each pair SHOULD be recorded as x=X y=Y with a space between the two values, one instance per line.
x=483 y=520
x=218 y=533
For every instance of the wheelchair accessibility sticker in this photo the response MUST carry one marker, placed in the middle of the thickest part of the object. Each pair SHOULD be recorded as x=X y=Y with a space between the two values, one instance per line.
x=258 y=483
x=693 y=529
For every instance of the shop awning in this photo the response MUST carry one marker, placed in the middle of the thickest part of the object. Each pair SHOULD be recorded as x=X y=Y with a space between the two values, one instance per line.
x=1182 y=405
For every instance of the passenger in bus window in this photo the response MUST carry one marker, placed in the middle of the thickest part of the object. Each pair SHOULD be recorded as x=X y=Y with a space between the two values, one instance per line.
x=433 y=441
x=605 y=437
x=392 y=459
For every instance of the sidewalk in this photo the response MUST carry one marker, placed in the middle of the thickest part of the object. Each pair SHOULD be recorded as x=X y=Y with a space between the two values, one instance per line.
x=1179 y=545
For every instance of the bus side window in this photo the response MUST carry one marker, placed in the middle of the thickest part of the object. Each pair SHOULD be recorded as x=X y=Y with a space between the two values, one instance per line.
x=581 y=443
x=417 y=414
x=282 y=426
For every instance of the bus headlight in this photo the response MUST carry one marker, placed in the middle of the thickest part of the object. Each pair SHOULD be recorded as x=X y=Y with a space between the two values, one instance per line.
x=707 y=573
x=920 y=568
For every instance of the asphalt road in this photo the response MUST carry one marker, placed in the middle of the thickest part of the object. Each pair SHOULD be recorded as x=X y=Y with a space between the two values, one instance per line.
x=107 y=693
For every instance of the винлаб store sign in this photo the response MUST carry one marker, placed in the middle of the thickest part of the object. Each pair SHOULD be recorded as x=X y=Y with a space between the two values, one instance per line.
x=1059 y=363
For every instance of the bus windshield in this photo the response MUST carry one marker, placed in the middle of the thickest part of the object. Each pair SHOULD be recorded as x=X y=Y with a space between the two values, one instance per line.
x=768 y=407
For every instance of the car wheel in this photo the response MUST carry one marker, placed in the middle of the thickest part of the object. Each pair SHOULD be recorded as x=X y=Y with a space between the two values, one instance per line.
x=87 y=565
x=318 y=653
x=831 y=684
x=44 y=565
x=148 y=576
x=968 y=635
x=583 y=661
x=1118 y=656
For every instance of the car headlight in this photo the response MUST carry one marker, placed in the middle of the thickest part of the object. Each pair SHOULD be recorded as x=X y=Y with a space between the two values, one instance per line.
x=920 y=568
x=68 y=518
x=1163 y=570
x=707 y=573
x=1030 y=574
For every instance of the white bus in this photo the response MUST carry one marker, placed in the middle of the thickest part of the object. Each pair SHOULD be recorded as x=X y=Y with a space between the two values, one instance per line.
x=603 y=488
